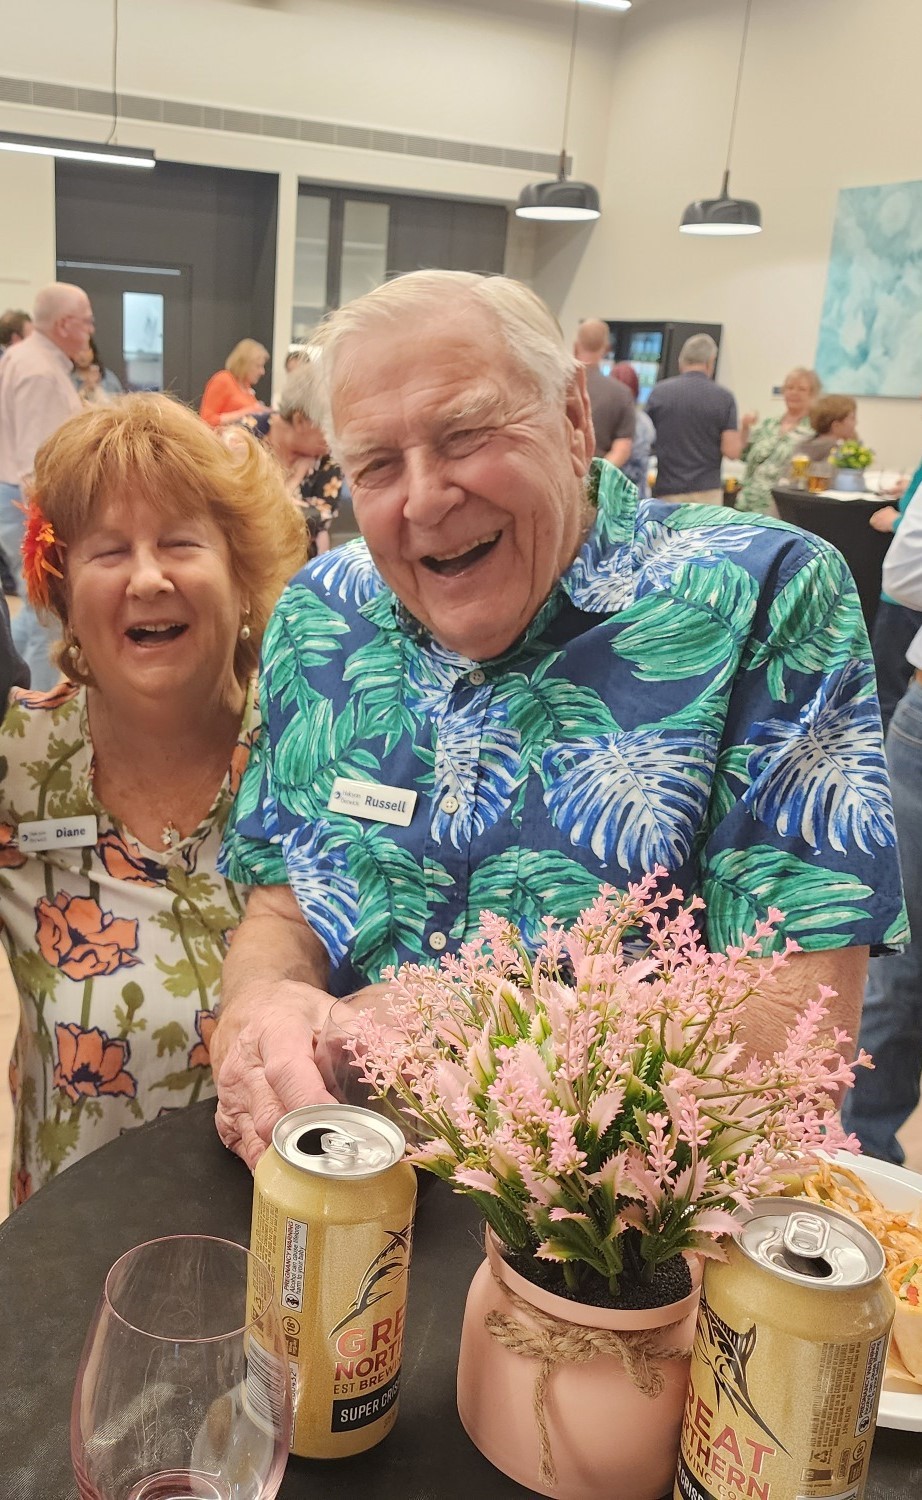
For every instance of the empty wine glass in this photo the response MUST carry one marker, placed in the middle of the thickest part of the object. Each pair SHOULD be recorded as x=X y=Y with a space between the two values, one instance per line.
x=342 y=1073
x=183 y=1389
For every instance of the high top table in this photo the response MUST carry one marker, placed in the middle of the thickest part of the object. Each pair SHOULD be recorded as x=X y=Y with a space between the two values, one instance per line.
x=845 y=523
x=173 y=1176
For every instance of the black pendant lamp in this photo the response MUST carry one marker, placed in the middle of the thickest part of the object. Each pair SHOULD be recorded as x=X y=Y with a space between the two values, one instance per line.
x=561 y=200
x=725 y=215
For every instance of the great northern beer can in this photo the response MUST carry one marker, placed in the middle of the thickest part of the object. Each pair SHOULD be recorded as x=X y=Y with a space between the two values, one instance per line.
x=788 y=1360
x=333 y=1209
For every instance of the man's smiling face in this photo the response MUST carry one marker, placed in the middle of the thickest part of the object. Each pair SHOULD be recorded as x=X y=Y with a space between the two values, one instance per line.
x=466 y=481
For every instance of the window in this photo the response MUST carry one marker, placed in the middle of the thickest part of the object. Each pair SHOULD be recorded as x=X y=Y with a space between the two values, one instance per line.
x=142 y=340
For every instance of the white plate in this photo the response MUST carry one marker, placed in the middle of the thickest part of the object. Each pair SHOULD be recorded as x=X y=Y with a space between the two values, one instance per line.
x=900 y=1400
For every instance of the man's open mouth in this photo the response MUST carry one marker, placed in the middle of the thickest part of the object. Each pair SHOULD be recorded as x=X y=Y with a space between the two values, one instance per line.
x=450 y=564
x=154 y=635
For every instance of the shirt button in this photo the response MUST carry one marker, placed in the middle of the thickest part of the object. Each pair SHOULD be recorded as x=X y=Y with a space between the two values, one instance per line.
x=437 y=941
x=450 y=804
x=476 y=677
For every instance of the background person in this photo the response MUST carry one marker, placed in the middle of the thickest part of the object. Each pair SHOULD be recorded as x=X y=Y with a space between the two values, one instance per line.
x=93 y=381
x=769 y=445
x=15 y=325
x=561 y=683
x=834 y=420
x=172 y=551
x=312 y=479
x=231 y=392
x=891 y=1023
x=612 y=411
x=695 y=421
x=36 y=397
x=637 y=466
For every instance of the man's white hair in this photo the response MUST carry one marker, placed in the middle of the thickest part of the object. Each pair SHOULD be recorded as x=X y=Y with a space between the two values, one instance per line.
x=59 y=300
x=527 y=329
x=700 y=349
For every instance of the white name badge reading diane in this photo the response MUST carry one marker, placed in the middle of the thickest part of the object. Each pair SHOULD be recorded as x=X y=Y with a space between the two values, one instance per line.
x=366 y=799
x=58 y=833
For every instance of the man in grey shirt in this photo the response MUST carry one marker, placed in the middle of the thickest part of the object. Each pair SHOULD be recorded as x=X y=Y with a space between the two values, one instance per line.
x=612 y=407
x=696 y=426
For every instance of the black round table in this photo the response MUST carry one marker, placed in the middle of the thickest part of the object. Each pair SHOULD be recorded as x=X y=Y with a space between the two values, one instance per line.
x=174 y=1177
x=845 y=523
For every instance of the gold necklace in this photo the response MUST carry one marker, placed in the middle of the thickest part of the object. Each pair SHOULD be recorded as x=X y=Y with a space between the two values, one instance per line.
x=170 y=836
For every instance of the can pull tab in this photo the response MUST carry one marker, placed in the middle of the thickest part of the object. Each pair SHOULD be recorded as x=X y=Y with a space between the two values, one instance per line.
x=806 y=1235
x=336 y=1143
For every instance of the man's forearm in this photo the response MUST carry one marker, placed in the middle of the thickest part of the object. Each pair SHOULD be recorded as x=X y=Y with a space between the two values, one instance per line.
x=779 y=1005
x=273 y=944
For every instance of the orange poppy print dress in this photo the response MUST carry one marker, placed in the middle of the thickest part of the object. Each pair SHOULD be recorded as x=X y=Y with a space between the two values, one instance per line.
x=116 y=949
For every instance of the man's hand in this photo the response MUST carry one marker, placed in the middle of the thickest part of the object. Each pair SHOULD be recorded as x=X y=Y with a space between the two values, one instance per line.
x=265 y=1067
x=883 y=519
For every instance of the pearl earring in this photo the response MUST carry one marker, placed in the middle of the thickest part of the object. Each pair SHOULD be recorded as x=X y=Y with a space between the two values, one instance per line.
x=245 y=632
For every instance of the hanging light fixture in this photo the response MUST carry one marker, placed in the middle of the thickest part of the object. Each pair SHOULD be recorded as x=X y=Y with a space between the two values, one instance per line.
x=561 y=200
x=726 y=215
x=106 y=151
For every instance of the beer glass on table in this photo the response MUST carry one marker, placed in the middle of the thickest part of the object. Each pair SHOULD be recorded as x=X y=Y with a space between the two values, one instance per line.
x=183 y=1390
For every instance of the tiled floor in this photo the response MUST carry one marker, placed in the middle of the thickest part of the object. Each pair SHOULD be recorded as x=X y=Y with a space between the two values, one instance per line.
x=911 y=1137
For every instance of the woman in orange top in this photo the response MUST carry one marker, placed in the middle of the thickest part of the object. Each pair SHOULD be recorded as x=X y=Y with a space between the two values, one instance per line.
x=230 y=392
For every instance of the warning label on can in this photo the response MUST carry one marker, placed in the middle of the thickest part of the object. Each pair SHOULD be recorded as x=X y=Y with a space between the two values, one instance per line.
x=293 y=1261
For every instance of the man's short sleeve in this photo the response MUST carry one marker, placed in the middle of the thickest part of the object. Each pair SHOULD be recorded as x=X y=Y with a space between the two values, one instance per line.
x=731 y=422
x=623 y=425
x=249 y=854
x=800 y=817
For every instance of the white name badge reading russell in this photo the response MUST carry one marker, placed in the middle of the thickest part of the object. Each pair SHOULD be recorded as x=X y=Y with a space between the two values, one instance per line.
x=366 y=799
x=58 y=833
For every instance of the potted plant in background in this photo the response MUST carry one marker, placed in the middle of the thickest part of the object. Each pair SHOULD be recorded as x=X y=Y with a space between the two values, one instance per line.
x=851 y=458
x=596 y=1100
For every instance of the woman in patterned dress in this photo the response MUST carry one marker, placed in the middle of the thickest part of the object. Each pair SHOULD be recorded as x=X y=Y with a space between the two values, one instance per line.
x=162 y=553
x=312 y=479
x=769 y=445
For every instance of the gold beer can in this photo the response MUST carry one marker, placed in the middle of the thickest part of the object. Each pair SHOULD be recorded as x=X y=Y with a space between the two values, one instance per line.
x=333 y=1203
x=788 y=1360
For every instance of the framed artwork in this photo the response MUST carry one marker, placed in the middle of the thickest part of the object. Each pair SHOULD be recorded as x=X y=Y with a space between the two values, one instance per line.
x=870 y=339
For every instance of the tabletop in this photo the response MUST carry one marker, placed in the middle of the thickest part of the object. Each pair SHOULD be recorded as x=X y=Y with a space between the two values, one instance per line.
x=173 y=1176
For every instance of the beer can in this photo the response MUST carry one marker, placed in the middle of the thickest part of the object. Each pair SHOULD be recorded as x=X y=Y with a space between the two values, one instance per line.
x=788 y=1360
x=333 y=1205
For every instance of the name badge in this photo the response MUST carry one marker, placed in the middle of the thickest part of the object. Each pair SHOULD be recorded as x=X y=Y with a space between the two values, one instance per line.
x=58 y=833
x=367 y=799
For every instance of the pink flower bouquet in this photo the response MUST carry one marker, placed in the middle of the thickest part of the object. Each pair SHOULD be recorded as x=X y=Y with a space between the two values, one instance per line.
x=595 y=1098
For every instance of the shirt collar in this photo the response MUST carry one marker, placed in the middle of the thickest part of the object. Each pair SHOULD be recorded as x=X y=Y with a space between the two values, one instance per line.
x=599 y=580
x=63 y=359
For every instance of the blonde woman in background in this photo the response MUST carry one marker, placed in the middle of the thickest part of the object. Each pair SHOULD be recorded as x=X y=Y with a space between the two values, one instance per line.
x=230 y=391
x=769 y=445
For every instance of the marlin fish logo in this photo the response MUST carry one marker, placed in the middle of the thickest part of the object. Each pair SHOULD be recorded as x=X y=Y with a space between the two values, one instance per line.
x=727 y=1353
x=378 y=1281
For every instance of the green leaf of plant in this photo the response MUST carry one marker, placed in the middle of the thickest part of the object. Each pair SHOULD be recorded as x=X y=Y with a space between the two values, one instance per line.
x=816 y=625
x=301 y=633
x=376 y=673
x=741 y=884
x=56 y=1139
x=173 y=1037
x=32 y=973
x=551 y=711
x=698 y=624
x=177 y=1082
x=526 y=885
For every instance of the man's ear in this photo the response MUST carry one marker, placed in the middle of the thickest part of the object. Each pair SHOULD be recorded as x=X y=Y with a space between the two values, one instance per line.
x=579 y=422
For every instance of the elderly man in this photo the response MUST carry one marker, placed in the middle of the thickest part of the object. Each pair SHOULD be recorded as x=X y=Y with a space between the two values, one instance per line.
x=609 y=401
x=36 y=397
x=696 y=426
x=521 y=683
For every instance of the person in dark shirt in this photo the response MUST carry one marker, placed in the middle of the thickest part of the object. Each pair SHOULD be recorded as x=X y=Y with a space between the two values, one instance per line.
x=696 y=426
x=13 y=670
x=612 y=407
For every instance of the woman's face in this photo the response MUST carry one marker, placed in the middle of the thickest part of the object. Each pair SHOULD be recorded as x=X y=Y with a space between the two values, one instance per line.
x=798 y=393
x=256 y=369
x=846 y=428
x=153 y=604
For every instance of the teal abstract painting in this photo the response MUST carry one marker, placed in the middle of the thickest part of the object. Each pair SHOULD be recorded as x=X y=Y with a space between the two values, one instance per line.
x=870 y=340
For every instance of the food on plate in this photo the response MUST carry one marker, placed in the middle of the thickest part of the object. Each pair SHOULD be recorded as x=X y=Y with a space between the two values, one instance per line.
x=906 y=1284
x=900 y=1234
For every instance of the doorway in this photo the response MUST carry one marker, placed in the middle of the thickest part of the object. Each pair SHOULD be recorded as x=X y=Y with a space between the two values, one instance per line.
x=143 y=321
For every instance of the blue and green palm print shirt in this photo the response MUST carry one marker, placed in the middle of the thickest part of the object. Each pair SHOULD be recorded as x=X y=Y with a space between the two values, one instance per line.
x=695 y=693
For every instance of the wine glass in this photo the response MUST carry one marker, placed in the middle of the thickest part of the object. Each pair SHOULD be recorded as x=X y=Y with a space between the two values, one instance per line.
x=183 y=1391
x=342 y=1073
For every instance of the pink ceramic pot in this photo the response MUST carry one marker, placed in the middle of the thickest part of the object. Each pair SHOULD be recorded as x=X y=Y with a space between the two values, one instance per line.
x=609 y=1442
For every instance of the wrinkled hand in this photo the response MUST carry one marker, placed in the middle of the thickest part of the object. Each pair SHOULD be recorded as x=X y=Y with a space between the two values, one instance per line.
x=265 y=1067
x=883 y=519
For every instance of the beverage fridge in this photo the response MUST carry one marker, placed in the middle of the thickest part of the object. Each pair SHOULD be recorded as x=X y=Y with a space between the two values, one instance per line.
x=653 y=348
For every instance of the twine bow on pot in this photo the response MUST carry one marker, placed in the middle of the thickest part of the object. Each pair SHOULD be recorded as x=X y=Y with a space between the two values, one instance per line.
x=555 y=1342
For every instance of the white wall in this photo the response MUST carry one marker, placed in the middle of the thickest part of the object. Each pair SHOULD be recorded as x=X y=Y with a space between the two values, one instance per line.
x=27 y=236
x=830 y=99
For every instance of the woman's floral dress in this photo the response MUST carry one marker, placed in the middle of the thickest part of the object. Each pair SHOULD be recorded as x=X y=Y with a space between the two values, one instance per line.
x=116 y=949
x=767 y=455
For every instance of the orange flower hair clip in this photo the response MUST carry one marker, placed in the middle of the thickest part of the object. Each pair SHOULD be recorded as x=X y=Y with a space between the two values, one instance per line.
x=38 y=541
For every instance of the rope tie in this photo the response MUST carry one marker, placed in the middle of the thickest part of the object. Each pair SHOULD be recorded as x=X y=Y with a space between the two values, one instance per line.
x=553 y=1341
